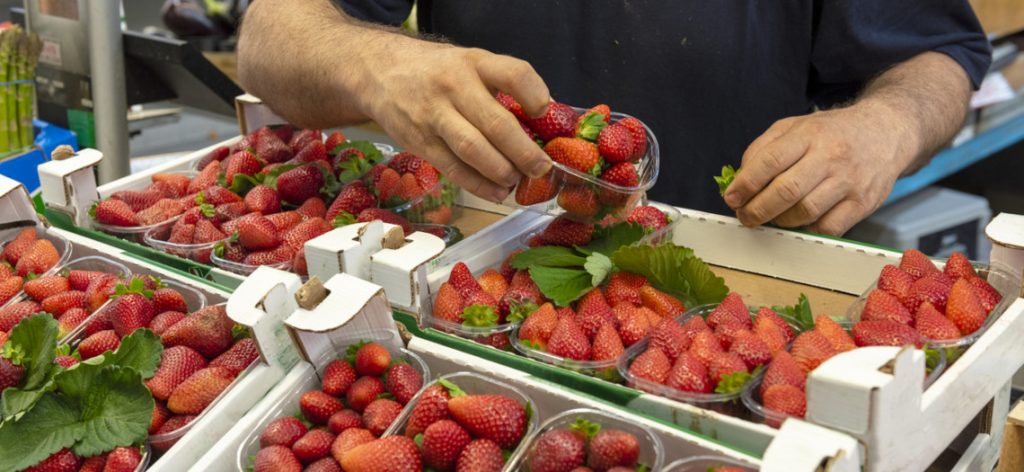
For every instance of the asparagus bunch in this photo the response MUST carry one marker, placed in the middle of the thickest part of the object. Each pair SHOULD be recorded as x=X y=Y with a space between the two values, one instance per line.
x=19 y=55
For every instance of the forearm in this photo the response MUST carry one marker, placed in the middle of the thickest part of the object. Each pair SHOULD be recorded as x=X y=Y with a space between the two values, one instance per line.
x=310 y=62
x=924 y=100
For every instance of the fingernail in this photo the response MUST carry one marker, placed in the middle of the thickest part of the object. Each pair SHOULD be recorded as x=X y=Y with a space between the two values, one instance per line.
x=732 y=199
x=500 y=194
x=540 y=168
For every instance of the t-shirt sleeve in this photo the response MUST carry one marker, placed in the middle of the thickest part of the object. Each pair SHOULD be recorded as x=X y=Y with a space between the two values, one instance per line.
x=855 y=40
x=388 y=12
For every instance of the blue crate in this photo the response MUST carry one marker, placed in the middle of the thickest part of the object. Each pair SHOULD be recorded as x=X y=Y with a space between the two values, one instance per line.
x=22 y=166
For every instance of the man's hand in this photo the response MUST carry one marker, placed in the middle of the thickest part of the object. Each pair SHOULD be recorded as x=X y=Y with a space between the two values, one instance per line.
x=828 y=170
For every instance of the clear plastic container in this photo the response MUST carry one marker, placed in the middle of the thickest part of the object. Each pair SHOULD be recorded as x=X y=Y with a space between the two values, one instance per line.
x=61 y=244
x=751 y=395
x=93 y=263
x=449 y=234
x=1006 y=284
x=476 y=384
x=652 y=452
x=615 y=200
x=659 y=236
x=156 y=237
x=705 y=464
x=136 y=234
x=428 y=208
x=289 y=405
x=604 y=370
x=243 y=268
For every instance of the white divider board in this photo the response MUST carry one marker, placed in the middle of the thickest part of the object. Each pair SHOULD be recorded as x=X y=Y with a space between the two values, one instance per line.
x=802 y=446
x=261 y=303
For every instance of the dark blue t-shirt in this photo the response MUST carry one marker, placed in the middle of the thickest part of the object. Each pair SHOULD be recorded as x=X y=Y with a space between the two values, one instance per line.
x=707 y=76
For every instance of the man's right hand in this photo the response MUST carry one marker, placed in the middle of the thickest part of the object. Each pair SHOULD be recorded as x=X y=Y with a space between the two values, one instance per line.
x=318 y=68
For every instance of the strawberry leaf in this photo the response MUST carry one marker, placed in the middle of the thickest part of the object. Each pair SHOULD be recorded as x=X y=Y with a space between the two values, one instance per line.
x=31 y=344
x=343 y=218
x=479 y=316
x=241 y=184
x=732 y=382
x=548 y=256
x=675 y=270
x=799 y=314
x=140 y=351
x=598 y=266
x=723 y=181
x=561 y=285
x=608 y=239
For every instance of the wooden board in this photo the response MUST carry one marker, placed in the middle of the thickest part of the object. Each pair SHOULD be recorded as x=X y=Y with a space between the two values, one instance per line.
x=759 y=290
x=999 y=17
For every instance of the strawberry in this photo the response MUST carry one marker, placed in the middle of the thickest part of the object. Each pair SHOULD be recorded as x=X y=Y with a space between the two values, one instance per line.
x=94 y=464
x=123 y=459
x=480 y=455
x=9 y=288
x=624 y=287
x=353 y=198
x=137 y=200
x=511 y=105
x=371 y=214
x=593 y=312
x=670 y=338
x=40 y=257
x=372 y=359
x=810 y=349
x=216 y=196
x=987 y=295
x=17 y=246
x=408 y=188
x=531 y=191
x=493 y=283
x=611 y=448
x=578 y=201
x=58 y=303
x=884 y=333
x=448 y=304
x=559 y=120
x=312 y=152
x=363 y=392
x=61 y=461
x=783 y=369
x=276 y=459
x=720 y=317
x=343 y=420
x=770 y=315
x=725 y=364
x=12 y=314
x=285 y=220
x=65 y=361
x=607 y=344
x=242 y=162
x=160 y=416
x=312 y=207
x=172 y=424
x=386 y=184
x=728 y=331
x=689 y=374
x=430 y=407
x=278 y=255
x=633 y=323
x=273 y=150
x=257 y=233
x=318 y=406
x=639 y=133
x=615 y=143
x=705 y=346
x=496 y=417
x=958 y=267
x=160 y=212
x=337 y=377
x=379 y=415
x=661 y=302
x=98 y=343
x=80 y=279
x=168 y=299
x=442 y=444
x=10 y=374
x=193 y=395
x=100 y=290
x=751 y=349
x=881 y=305
x=333 y=140
x=296 y=237
x=538 y=327
x=928 y=289
x=130 y=312
x=575 y=153
x=350 y=439
x=313 y=445
x=302 y=138
x=263 y=199
x=403 y=381
x=733 y=303
x=563 y=231
x=165 y=320
x=297 y=185
x=916 y=264
x=895 y=281
x=182 y=233
x=931 y=324
x=390 y=453
x=558 y=450
x=238 y=357
x=217 y=154
x=427 y=178
x=206 y=178
x=964 y=309
x=835 y=334
x=569 y=341
x=42 y=287
x=785 y=399
x=176 y=183
x=208 y=331
x=283 y=431
x=462 y=280
x=325 y=464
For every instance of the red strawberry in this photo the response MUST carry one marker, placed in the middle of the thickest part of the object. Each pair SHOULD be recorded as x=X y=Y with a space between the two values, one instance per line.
x=408 y=188
x=276 y=459
x=569 y=341
x=61 y=461
x=10 y=374
x=785 y=399
x=371 y=214
x=278 y=255
x=784 y=328
x=42 y=287
x=16 y=247
x=751 y=349
x=263 y=199
x=313 y=445
x=350 y=439
x=462 y=280
x=302 y=138
x=285 y=220
x=299 y=184
x=430 y=407
x=593 y=312
x=725 y=364
x=80 y=279
x=558 y=450
x=538 y=326
x=231 y=226
x=624 y=287
x=958 y=267
x=987 y=295
x=933 y=325
x=916 y=264
x=385 y=184
x=634 y=323
x=661 y=302
x=728 y=331
x=496 y=417
x=312 y=152
x=130 y=312
x=273 y=150
x=333 y=140
x=705 y=346
x=670 y=338
x=442 y=444
x=538 y=190
x=168 y=299
x=283 y=431
x=257 y=233
x=372 y=359
x=98 y=343
x=100 y=290
x=200 y=389
x=363 y=392
x=928 y=289
x=58 y=303
x=242 y=162
x=834 y=333
x=40 y=257
x=733 y=303
x=216 y=196
x=652 y=365
x=165 y=320
x=173 y=423
x=10 y=287
x=296 y=237
x=379 y=415
x=689 y=374
x=895 y=281
x=639 y=134
x=884 y=333
x=208 y=331
x=65 y=361
x=448 y=304
x=176 y=183
x=810 y=349
x=480 y=455
x=236 y=359
x=343 y=420
x=783 y=369
x=391 y=453
x=615 y=143
x=326 y=464
x=70 y=320
x=558 y=121
x=493 y=283
x=575 y=153
x=649 y=217
x=964 y=309
x=563 y=231
x=611 y=448
x=607 y=344
x=160 y=416
x=138 y=200
x=403 y=381
x=182 y=233
x=338 y=375
x=721 y=316
x=881 y=305
x=353 y=198
x=206 y=178
x=578 y=201
x=511 y=105
x=427 y=177
x=318 y=406
x=12 y=314
x=123 y=459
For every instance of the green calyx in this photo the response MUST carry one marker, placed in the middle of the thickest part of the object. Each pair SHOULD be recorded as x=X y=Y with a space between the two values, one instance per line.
x=92 y=209
x=799 y=315
x=590 y=126
x=350 y=352
x=723 y=181
x=200 y=198
x=453 y=390
x=733 y=382
x=343 y=218
x=479 y=316
x=519 y=310
x=137 y=286
x=588 y=429
x=207 y=210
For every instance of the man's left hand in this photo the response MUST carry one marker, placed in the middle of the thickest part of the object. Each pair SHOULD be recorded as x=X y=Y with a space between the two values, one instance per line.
x=824 y=171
